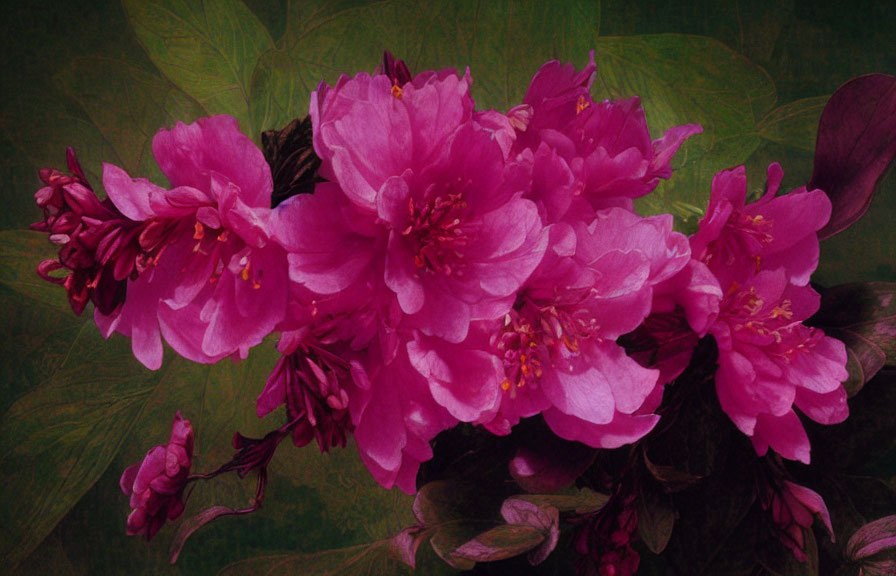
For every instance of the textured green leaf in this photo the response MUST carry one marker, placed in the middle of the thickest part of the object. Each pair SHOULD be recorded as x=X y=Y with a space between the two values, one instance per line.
x=780 y=561
x=357 y=560
x=58 y=439
x=209 y=49
x=581 y=501
x=656 y=519
x=794 y=124
x=682 y=80
x=20 y=253
x=129 y=105
x=501 y=542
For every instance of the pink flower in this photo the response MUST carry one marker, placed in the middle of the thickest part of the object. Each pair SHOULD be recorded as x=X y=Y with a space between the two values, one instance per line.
x=794 y=509
x=395 y=417
x=763 y=254
x=368 y=129
x=737 y=240
x=430 y=196
x=606 y=145
x=769 y=361
x=217 y=283
x=156 y=485
x=310 y=379
x=558 y=344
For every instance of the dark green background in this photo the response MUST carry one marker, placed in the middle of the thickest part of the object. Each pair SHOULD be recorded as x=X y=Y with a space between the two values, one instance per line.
x=104 y=76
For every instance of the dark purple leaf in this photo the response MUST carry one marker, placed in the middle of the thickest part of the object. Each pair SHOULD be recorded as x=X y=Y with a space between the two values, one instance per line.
x=863 y=316
x=544 y=517
x=856 y=142
x=872 y=538
x=404 y=545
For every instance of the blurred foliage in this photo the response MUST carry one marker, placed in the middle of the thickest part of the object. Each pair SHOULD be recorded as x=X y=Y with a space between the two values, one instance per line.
x=103 y=77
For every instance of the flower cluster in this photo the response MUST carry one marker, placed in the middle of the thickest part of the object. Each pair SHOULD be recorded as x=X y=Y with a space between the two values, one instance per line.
x=428 y=263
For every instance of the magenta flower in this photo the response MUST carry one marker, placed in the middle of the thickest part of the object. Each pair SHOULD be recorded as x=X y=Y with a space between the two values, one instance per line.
x=683 y=309
x=558 y=344
x=217 y=283
x=311 y=378
x=763 y=254
x=156 y=485
x=736 y=239
x=395 y=417
x=430 y=198
x=794 y=508
x=98 y=244
x=769 y=361
x=368 y=129
x=606 y=145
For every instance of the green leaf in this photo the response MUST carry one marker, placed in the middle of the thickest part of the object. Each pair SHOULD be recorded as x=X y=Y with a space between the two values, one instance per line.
x=129 y=105
x=581 y=501
x=656 y=518
x=780 y=561
x=58 y=439
x=209 y=49
x=794 y=124
x=357 y=560
x=685 y=79
x=20 y=253
x=501 y=542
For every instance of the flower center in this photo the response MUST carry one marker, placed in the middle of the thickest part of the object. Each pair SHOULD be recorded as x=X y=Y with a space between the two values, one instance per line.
x=436 y=230
x=534 y=335
x=750 y=313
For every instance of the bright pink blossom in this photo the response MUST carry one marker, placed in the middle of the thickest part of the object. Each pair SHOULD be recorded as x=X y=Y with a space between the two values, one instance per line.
x=769 y=361
x=156 y=485
x=762 y=255
x=310 y=379
x=217 y=285
x=368 y=129
x=558 y=344
x=737 y=240
x=606 y=145
x=395 y=417
x=433 y=210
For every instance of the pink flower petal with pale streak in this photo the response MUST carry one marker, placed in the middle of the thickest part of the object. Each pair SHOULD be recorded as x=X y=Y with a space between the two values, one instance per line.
x=623 y=429
x=826 y=408
x=130 y=195
x=784 y=434
x=812 y=501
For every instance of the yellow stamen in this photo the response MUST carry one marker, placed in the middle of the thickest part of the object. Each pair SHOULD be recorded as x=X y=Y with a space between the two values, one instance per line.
x=396 y=91
x=581 y=104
